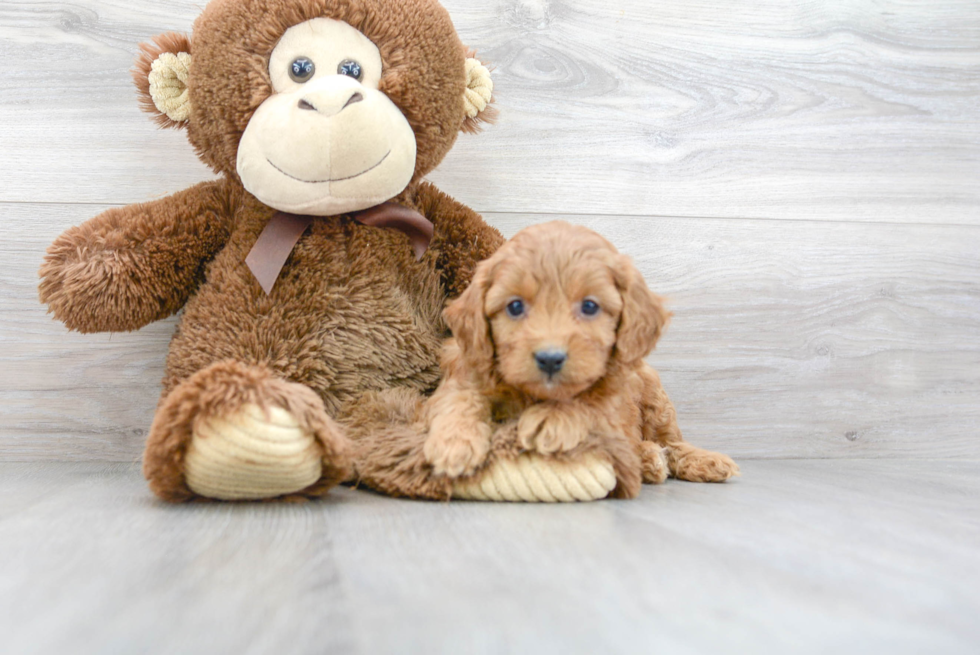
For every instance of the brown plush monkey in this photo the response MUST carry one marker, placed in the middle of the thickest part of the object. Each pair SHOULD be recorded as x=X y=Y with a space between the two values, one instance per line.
x=310 y=314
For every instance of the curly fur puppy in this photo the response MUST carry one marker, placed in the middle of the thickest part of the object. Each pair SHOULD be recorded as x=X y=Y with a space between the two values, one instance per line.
x=551 y=334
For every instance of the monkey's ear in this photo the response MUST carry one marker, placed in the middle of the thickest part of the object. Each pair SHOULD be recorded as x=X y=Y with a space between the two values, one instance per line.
x=161 y=72
x=478 y=95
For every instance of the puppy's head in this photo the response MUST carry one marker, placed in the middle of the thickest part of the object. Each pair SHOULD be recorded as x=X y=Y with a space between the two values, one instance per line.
x=552 y=309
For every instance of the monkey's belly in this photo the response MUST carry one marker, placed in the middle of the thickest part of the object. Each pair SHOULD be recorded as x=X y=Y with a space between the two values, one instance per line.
x=346 y=315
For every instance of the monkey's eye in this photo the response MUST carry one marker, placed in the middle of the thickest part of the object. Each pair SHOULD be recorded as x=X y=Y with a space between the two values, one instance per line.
x=350 y=68
x=590 y=307
x=515 y=308
x=301 y=70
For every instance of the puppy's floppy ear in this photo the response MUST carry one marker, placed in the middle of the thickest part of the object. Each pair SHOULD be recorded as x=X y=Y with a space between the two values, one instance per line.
x=644 y=316
x=466 y=317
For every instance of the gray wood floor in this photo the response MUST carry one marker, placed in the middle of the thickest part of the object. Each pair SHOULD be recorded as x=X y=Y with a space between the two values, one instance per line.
x=799 y=178
x=796 y=556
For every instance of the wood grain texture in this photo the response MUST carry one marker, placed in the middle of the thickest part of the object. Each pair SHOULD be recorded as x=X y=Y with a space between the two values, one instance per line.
x=801 y=557
x=866 y=110
x=789 y=339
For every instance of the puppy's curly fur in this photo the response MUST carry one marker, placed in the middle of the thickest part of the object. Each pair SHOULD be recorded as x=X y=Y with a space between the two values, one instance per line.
x=551 y=334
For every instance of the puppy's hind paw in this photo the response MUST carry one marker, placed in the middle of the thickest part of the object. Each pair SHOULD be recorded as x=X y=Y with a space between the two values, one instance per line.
x=698 y=465
x=656 y=467
x=458 y=455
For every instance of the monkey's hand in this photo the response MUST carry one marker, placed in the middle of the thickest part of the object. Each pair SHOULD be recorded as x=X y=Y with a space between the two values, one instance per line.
x=133 y=265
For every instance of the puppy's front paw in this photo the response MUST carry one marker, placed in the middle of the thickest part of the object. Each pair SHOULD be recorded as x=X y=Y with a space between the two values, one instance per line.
x=457 y=453
x=549 y=428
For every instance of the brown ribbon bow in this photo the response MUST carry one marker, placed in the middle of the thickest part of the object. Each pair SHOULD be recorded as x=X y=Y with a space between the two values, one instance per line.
x=280 y=236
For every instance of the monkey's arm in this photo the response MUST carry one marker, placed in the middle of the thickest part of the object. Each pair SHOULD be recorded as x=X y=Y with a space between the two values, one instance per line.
x=462 y=238
x=133 y=265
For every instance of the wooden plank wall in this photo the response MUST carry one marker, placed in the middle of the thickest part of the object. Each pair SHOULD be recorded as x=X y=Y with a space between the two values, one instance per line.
x=802 y=179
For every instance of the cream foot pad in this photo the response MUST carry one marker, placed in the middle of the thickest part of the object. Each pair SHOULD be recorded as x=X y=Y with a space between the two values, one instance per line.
x=532 y=478
x=250 y=455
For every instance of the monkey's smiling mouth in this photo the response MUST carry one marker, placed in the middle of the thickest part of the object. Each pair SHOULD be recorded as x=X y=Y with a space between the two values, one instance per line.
x=338 y=179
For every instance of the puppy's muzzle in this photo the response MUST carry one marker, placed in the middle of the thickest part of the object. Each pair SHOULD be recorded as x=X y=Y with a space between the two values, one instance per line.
x=550 y=361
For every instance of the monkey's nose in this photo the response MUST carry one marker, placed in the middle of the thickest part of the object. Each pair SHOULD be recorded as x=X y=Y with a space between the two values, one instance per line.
x=357 y=97
x=550 y=361
x=327 y=105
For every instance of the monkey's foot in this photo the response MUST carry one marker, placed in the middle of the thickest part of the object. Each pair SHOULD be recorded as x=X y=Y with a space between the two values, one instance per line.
x=238 y=432
x=535 y=478
x=251 y=454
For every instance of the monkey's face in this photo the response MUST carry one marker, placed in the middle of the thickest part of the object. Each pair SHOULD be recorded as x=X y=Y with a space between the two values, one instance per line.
x=318 y=106
x=327 y=141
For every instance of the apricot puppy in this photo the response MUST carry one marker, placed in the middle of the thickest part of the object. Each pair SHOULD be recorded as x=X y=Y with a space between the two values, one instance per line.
x=551 y=333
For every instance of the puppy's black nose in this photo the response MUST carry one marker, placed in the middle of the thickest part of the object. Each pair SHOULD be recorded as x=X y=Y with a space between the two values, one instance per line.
x=550 y=361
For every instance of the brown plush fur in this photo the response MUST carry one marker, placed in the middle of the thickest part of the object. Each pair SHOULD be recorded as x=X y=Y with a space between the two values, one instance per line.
x=352 y=312
x=603 y=391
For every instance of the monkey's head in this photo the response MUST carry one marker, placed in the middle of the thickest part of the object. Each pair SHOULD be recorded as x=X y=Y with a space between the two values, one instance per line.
x=318 y=106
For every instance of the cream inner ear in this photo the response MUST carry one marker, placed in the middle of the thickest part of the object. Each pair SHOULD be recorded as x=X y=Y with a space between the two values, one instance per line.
x=479 y=88
x=330 y=143
x=168 y=85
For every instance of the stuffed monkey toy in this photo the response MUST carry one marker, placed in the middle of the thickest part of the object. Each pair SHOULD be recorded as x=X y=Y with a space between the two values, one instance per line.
x=312 y=274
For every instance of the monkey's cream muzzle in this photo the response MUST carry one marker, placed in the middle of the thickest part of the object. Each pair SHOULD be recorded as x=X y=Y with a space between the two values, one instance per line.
x=322 y=151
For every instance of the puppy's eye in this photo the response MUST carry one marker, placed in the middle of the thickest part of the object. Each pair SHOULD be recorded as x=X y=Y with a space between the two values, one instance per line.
x=301 y=70
x=515 y=308
x=350 y=68
x=590 y=307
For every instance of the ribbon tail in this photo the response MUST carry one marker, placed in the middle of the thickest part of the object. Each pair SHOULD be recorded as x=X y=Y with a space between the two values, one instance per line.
x=273 y=247
x=417 y=227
